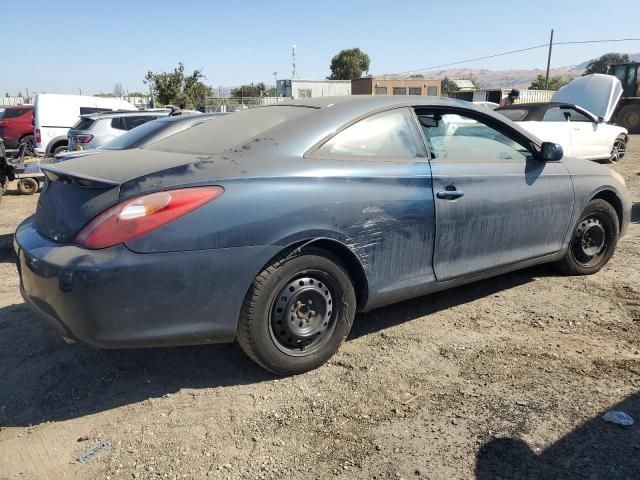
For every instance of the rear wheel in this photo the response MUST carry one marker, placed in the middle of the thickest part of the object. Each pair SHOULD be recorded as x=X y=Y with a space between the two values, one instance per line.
x=30 y=141
x=594 y=239
x=297 y=313
x=28 y=186
x=629 y=118
x=58 y=149
x=618 y=150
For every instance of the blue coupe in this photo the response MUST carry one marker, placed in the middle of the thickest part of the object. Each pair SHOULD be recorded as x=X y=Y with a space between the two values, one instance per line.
x=273 y=226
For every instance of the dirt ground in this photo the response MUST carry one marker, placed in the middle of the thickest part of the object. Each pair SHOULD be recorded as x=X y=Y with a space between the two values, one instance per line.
x=506 y=378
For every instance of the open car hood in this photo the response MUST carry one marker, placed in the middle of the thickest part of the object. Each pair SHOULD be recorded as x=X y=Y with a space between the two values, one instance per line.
x=597 y=93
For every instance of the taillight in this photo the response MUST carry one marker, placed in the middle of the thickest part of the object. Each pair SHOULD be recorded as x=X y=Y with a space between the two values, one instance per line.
x=38 y=136
x=83 y=138
x=138 y=216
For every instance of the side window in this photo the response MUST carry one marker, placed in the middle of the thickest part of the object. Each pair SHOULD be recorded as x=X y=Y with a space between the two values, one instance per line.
x=387 y=134
x=456 y=138
x=133 y=122
x=118 y=123
x=554 y=115
x=575 y=116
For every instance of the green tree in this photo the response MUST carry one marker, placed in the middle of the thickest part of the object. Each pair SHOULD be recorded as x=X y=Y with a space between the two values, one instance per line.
x=555 y=82
x=448 y=86
x=174 y=88
x=349 y=64
x=599 y=65
x=251 y=90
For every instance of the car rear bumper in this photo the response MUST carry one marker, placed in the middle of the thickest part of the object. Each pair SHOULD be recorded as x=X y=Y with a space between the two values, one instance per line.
x=115 y=298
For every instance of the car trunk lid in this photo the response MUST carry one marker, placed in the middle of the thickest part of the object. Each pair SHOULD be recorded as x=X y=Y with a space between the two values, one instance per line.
x=78 y=189
x=598 y=93
x=68 y=202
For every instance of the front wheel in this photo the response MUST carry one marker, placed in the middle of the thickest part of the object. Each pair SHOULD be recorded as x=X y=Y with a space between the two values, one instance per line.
x=618 y=150
x=593 y=241
x=297 y=313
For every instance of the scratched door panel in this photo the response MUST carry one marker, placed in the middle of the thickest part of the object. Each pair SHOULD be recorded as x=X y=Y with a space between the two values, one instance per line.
x=509 y=212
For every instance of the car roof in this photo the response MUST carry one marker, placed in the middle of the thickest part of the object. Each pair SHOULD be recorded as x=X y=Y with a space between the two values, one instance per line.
x=537 y=105
x=190 y=118
x=119 y=113
x=372 y=102
x=536 y=111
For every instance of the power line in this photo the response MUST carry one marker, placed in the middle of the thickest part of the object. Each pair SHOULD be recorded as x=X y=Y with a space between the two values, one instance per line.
x=544 y=45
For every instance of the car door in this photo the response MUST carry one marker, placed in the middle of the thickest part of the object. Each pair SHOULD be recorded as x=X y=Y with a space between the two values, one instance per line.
x=495 y=203
x=587 y=138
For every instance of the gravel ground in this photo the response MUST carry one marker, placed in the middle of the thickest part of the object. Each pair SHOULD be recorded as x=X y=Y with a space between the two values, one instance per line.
x=506 y=378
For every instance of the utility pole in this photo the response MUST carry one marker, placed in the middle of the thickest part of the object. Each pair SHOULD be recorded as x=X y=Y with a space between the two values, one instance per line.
x=293 y=62
x=546 y=82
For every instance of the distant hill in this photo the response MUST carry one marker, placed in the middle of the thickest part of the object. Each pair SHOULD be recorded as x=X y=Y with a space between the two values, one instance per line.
x=512 y=78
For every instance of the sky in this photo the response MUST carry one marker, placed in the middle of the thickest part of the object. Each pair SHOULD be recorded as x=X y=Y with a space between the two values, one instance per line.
x=68 y=46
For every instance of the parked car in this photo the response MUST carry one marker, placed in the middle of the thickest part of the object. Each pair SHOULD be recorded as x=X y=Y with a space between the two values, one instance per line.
x=55 y=114
x=93 y=131
x=144 y=134
x=274 y=225
x=16 y=126
x=578 y=119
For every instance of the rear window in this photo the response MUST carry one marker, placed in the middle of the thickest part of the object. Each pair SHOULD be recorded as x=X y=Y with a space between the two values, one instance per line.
x=83 y=124
x=13 y=113
x=515 y=115
x=229 y=131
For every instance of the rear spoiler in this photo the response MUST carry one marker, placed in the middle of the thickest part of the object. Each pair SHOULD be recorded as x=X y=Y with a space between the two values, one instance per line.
x=56 y=174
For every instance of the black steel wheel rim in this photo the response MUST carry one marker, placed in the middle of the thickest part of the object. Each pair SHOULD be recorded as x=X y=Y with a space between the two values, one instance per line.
x=304 y=312
x=591 y=239
x=618 y=151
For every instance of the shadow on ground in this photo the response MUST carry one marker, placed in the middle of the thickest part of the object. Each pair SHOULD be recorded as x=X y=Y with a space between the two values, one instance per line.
x=595 y=450
x=44 y=379
x=7 y=254
x=635 y=212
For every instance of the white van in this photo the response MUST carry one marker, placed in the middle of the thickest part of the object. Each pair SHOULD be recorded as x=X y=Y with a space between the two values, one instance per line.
x=55 y=114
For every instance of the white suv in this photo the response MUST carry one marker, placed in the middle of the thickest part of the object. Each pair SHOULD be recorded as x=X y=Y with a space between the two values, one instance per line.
x=93 y=131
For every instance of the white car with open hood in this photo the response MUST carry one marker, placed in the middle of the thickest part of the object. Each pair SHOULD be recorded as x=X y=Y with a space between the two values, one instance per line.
x=577 y=117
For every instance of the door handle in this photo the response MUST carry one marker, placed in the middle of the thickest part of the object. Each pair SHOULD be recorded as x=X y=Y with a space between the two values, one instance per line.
x=450 y=194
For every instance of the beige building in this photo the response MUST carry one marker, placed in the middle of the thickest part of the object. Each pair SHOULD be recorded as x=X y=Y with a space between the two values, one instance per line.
x=396 y=86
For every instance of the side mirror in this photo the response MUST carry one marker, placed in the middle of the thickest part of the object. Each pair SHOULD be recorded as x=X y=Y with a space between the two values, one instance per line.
x=600 y=119
x=551 y=152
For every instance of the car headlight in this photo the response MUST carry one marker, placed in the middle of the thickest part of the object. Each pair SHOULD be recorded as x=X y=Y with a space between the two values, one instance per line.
x=618 y=177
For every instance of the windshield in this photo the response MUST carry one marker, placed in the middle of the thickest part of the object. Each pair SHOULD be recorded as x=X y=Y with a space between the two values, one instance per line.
x=13 y=112
x=136 y=136
x=229 y=131
x=515 y=115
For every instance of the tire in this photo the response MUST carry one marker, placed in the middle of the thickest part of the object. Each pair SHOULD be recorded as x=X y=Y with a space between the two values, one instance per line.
x=28 y=186
x=593 y=241
x=618 y=150
x=59 y=149
x=30 y=141
x=278 y=327
x=629 y=118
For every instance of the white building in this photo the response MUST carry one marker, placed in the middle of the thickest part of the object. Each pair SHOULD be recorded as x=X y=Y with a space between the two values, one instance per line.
x=312 y=88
